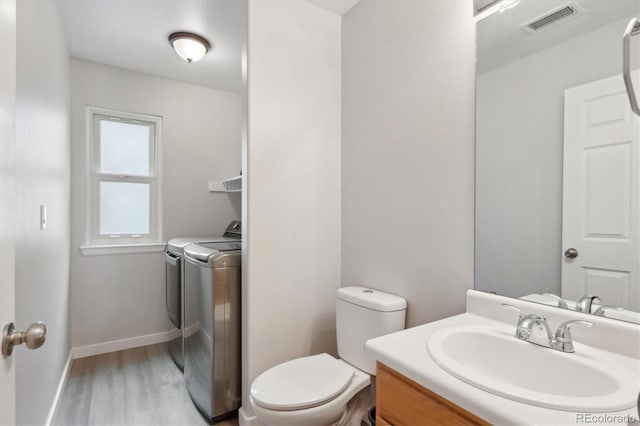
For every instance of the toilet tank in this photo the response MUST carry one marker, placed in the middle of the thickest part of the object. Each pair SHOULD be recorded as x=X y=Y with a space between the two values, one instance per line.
x=362 y=314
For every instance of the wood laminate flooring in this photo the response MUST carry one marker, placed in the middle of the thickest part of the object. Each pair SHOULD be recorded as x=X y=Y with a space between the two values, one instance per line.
x=140 y=386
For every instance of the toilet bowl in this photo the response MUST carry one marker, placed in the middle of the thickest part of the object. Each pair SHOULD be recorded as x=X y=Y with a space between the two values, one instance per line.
x=312 y=391
x=319 y=390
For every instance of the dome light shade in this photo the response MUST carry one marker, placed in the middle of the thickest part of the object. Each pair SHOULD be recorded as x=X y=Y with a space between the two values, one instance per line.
x=190 y=47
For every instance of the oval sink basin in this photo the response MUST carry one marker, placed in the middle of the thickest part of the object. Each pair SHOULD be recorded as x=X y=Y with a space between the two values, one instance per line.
x=493 y=360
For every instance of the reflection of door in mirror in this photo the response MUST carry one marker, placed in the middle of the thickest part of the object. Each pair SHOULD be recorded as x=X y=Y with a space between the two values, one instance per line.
x=600 y=194
x=529 y=56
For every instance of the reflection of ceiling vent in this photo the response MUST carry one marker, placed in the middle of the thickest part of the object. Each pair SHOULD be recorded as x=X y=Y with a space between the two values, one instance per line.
x=552 y=18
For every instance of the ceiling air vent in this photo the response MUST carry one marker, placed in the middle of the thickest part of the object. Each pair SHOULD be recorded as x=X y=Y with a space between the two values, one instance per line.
x=552 y=18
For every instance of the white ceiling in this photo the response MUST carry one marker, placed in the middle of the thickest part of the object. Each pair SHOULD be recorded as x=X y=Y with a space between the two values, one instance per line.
x=132 y=34
x=501 y=41
x=339 y=7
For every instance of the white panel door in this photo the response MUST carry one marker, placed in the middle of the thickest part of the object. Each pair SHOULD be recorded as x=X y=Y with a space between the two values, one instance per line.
x=600 y=194
x=7 y=175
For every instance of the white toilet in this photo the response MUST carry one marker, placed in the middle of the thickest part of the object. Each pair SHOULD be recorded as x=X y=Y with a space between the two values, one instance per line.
x=315 y=390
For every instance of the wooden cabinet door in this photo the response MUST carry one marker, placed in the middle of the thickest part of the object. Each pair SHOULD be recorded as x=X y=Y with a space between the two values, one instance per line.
x=401 y=401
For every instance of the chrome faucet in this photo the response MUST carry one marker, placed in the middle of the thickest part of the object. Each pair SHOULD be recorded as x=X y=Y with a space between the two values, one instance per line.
x=531 y=328
x=586 y=302
x=534 y=329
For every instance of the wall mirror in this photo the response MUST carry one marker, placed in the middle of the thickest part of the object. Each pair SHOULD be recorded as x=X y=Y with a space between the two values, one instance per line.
x=558 y=154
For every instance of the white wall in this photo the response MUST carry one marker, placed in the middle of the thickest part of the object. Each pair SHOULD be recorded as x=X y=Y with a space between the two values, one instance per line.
x=122 y=296
x=42 y=177
x=408 y=152
x=292 y=209
x=520 y=119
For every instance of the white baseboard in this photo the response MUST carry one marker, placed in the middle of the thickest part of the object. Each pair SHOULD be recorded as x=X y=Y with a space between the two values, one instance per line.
x=63 y=381
x=102 y=348
x=247 y=418
x=119 y=345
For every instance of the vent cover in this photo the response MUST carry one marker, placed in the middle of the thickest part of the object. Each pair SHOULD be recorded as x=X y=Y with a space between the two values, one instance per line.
x=552 y=18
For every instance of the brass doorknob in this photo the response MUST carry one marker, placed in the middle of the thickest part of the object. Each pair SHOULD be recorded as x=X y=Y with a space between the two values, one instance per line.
x=571 y=253
x=34 y=337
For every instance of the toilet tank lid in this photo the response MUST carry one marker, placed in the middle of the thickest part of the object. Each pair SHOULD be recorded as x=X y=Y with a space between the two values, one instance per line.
x=372 y=299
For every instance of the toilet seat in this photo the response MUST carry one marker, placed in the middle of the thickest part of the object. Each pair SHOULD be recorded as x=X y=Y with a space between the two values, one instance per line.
x=302 y=383
x=325 y=413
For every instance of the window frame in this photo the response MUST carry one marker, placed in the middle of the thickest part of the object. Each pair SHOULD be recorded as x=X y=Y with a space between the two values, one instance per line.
x=95 y=243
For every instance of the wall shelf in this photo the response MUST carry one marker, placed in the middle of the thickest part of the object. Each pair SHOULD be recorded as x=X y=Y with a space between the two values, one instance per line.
x=233 y=184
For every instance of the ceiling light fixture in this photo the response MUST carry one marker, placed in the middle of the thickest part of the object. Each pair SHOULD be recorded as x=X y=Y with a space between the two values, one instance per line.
x=190 y=47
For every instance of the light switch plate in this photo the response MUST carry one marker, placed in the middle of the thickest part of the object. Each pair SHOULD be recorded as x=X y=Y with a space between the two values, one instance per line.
x=43 y=217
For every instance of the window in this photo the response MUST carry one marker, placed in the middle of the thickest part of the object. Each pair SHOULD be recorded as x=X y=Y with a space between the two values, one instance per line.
x=124 y=206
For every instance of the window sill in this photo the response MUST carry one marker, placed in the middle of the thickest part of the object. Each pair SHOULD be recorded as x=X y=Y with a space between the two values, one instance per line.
x=100 y=250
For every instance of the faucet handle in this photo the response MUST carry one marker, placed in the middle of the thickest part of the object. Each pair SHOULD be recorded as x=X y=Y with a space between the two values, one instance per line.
x=563 y=340
x=513 y=308
x=601 y=309
x=563 y=333
x=561 y=303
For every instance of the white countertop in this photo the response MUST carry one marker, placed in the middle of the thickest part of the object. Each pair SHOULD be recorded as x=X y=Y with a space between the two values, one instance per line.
x=406 y=352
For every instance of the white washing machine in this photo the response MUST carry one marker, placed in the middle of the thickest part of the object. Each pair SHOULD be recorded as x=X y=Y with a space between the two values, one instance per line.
x=174 y=283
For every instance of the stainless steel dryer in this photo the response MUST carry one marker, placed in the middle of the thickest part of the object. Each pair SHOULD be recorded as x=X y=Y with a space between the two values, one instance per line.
x=212 y=327
x=174 y=283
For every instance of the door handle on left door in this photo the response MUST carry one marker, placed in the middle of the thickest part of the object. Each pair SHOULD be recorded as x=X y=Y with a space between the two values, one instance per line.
x=34 y=336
